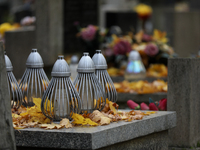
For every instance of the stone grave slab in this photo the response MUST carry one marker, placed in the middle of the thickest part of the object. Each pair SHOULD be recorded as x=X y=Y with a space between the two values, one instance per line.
x=151 y=132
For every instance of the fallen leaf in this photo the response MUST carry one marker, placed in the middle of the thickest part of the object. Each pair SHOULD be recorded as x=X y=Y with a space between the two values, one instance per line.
x=66 y=123
x=112 y=107
x=100 y=118
x=80 y=120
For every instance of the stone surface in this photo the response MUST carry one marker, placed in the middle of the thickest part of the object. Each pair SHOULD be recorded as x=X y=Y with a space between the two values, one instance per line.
x=155 y=141
x=7 y=137
x=18 y=45
x=187 y=36
x=49 y=29
x=95 y=137
x=184 y=98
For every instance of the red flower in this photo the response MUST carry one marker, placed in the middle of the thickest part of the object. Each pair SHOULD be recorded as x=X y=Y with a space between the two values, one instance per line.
x=144 y=106
x=132 y=105
x=163 y=104
x=88 y=33
x=122 y=47
x=152 y=106
x=151 y=49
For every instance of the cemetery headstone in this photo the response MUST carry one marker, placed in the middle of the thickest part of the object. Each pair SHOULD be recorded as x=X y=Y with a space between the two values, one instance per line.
x=49 y=29
x=184 y=98
x=187 y=36
x=7 y=137
x=18 y=46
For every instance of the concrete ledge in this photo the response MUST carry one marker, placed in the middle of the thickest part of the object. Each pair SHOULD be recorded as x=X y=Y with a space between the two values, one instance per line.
x=154 y=141
x=95 y=137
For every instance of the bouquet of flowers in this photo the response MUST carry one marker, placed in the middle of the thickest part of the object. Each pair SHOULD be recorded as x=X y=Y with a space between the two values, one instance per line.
x=91 y=37
x=152 y=48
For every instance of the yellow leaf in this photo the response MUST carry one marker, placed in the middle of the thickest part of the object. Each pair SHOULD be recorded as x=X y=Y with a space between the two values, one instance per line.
x=47 y=120
x=112 y=107
x=37 y=102
x=80 y=120
x=15 y=116
x=24 y=114
x=90 y=122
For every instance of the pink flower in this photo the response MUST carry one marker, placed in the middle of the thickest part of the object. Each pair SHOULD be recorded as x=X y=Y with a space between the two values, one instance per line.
x=132 y=105
x=151 y=49
x=27 y=21
x=163 y=104
x=152 y=106
x=122 y=47
x=146 y=38
x=88 y=33
x=144 y=106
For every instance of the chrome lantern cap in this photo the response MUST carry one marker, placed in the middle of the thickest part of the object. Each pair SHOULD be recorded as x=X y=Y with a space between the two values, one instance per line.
x=60 y=68
x=34 y=60
x=99 y=60
x=134 y=55
x=9 y=66
x=86 y=65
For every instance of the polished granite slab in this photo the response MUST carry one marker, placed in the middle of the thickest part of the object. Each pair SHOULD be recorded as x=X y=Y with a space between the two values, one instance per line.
x=95 y=137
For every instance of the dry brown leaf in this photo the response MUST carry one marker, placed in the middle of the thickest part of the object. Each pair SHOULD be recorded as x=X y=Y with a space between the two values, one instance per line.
x=100 y=118
x=105 y=121
x=66 y=123
x=51 y=126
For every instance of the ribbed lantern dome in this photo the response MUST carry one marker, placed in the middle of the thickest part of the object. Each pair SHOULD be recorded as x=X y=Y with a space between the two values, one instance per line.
x=86 y=64
x=9 y=66
x=60 y=68
x=34 y=60
x=99 y=60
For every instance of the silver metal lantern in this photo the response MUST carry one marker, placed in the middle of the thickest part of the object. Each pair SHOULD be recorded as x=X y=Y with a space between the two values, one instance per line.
x=15 y=92
x=60 y=99
x=103 y=76
x=88 y=86
x=34 y=80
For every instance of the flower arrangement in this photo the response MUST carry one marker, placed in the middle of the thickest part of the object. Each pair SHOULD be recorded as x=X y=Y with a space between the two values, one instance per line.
x=120 y=45
x=152 y=48
x=91 y=37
